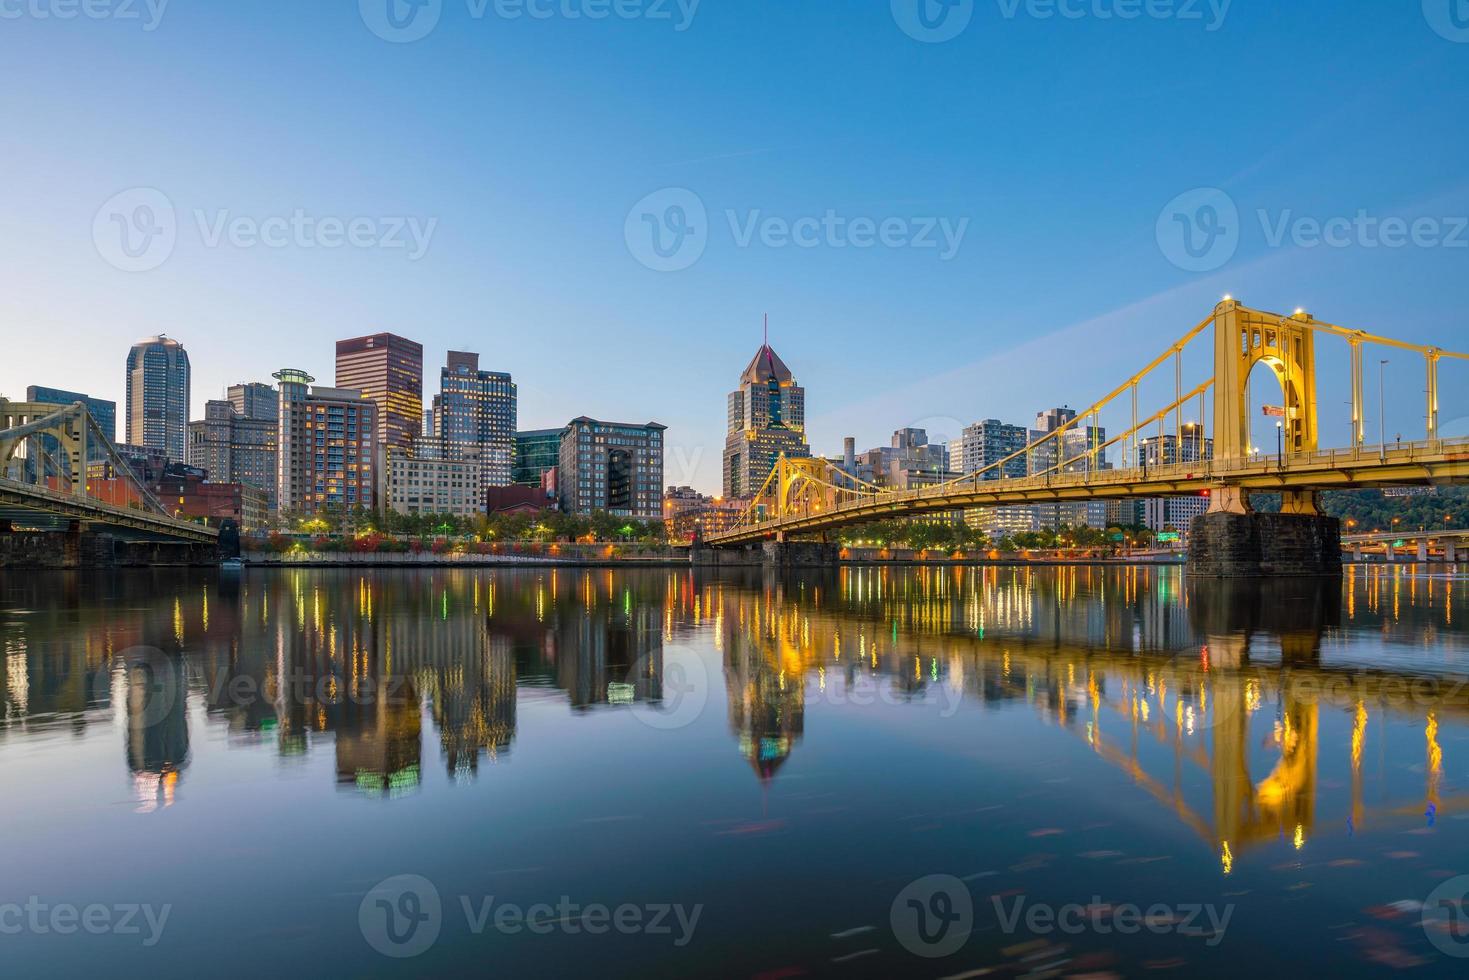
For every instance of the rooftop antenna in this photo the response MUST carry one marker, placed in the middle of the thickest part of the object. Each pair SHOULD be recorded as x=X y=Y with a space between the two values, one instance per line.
x=767 y=330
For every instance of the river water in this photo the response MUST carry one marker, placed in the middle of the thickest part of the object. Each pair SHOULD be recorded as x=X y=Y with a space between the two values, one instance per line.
x=864 y=772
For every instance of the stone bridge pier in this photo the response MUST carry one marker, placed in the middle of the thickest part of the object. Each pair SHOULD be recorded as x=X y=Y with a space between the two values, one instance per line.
x=1233 y=541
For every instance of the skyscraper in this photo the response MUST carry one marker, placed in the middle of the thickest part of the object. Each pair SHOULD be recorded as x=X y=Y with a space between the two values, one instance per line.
x=767 y=420
x=158 y=395
x=475 y=414
x=388 y=371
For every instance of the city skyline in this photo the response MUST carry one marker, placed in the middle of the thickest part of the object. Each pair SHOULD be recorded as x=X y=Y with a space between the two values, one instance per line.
x=1060 y=258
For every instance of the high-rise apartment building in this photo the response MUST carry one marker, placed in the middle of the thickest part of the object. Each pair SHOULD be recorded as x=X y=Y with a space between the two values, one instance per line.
x=767 y=420
x=1170 y=448
x=612 y=466
x=326 y=446
x=1191 y=446
x=989 y=442
x=388 y=371
x=158 y=395
x=235 y=448
x=474 y=416
x=1077 y=450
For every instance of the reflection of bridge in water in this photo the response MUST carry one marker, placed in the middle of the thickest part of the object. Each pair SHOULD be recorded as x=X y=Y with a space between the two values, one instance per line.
x=1172 y=689
x=1214 y=701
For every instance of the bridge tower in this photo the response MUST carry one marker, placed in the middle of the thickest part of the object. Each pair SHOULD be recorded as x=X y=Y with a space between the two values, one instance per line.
x=1231 y=540
x=1244 y=338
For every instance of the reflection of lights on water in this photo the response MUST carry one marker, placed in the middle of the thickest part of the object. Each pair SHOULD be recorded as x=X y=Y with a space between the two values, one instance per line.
x=1300 y=838
x=1359 y=734
x=1226 y=858
x=1188 y=717
x=1435 y=756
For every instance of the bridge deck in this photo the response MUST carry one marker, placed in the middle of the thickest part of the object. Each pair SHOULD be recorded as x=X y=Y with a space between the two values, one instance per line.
x=41 y=507
x=1438 y=462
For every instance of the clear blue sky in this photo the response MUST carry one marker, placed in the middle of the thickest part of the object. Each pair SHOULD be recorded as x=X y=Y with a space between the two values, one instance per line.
x=529 y=141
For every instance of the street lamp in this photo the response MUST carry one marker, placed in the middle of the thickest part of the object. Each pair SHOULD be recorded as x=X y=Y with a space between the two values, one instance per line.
x=1280 y=443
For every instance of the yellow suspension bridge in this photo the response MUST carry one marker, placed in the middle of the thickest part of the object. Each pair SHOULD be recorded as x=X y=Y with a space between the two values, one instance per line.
x=808 y=497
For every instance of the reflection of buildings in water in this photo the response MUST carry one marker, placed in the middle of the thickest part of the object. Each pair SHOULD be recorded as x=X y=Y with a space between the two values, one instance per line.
x=157 y=726
x=378 y=740
x=474 y=706
x=767 y=704
x=1223 y=665
x=51 y=683
x=609 y=656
